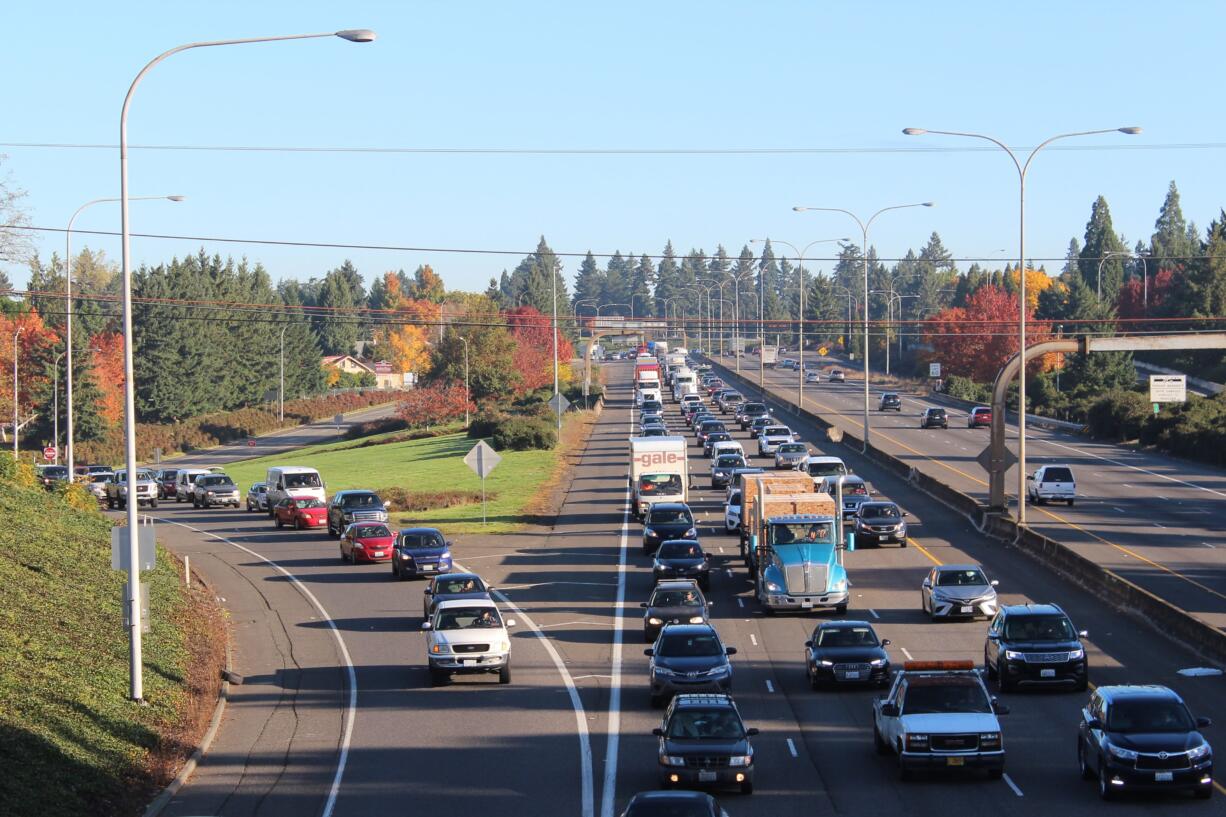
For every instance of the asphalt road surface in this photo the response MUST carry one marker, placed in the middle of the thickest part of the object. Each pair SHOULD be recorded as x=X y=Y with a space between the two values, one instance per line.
x=338 y=717
x=1156 y=520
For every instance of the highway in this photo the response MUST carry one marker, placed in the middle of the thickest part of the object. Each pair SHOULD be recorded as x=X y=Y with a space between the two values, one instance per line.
x=337 y=715
x=1156 y=520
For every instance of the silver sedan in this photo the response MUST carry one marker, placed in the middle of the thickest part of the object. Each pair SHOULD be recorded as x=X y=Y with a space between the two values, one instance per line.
x=958 y=591
x=791 y=455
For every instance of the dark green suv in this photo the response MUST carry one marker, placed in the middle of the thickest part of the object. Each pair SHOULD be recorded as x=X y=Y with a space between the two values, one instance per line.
x=703 y=742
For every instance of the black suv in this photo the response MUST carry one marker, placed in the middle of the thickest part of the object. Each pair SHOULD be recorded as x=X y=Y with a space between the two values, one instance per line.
x=934 y=418
x=348 y=507
x=1143 y=737
x=746 y=413
x=688 y=658
x=670 y=803
x=889 y=401
x=682 y=559
x=704 y=742
x=679 y=601
x=667 y=520
x=1035 y=644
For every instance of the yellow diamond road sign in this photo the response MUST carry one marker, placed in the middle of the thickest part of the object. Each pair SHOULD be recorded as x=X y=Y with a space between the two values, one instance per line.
x=822 y=351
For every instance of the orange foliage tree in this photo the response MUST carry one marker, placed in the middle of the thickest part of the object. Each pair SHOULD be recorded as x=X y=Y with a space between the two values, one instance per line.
x=534 y=347
x=406 y=345
x=107 y=357
x=975 y=341
x=1037 y=282
x=432 y=405
x=35 y=349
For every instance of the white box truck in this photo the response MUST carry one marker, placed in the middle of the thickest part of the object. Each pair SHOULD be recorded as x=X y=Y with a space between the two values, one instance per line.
x=658 y=472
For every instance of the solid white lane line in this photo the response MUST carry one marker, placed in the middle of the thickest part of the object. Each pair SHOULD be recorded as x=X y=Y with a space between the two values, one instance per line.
x=1208 y=545
x=1012 y=785
x=753 y=639
x=1121 y=510
x=904 y=652
x=873 y=613
x=792 y=748
x=769 y=686
x=350 y=675
x=1158 y=525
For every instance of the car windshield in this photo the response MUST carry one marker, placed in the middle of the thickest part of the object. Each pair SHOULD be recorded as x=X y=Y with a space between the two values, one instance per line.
x=792 y=448
x=360 y=501
x=826 y=469
x=710 y=426
x=56 y=471
x=960 y=578
x=879 y=511
x=786 y=534
x=670 y=516
x=701 y=645
x=705 y=724
x=302 y=481
x=421 y=539
x=846 y=637
x=719 y=437
x=729 y=461
x=735 y=499
x=1057 y=475
x=936 y=413
x=760 y=422
x=937 y=695
x=370 y=531
x=169 y=475
x=660 y=484
x=1039 y=628
x=776 y=431
x=466 y=584
x=1149 y=715
x=308 y=502
x=99 y=477
x=855 y=489
x=467 y=618
x=205 y=482
x=679 y=550
x=676 y=598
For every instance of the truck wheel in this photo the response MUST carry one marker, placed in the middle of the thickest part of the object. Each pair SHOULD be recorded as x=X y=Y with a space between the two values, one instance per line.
x=995 y=774
x=1070 y=503
x=747 y=787
x=438 y=677
x=841 y=609
x=153 y=503
x=504 y=674
x=880 y=745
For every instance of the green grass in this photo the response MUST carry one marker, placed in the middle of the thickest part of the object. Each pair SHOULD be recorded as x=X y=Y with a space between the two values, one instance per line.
x=429 y=465
x=70 y=741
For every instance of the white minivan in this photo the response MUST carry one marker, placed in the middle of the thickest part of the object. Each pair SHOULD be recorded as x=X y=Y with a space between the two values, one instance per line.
x=293 y=480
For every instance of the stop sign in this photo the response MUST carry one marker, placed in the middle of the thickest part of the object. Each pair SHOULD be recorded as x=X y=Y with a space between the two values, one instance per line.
x=49 y=453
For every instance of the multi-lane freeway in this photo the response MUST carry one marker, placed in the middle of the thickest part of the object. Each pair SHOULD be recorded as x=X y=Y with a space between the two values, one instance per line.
x=1156 y=520
x=337 y=715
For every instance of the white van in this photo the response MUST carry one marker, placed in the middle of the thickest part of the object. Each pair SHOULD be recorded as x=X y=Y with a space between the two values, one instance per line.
x=293 y=480
x=185 y=483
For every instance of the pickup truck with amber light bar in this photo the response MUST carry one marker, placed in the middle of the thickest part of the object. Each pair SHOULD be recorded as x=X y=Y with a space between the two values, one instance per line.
x=939 y=715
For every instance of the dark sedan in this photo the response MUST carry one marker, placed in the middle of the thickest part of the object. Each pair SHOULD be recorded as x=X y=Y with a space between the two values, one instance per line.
x=878 y=522
x=709 y=427
x=420 y=552
x=713 y=438
x=682 y=559
x=450 y=587
x=672 y=602
x=667 y=520
x=673 y=804
x=846 y=652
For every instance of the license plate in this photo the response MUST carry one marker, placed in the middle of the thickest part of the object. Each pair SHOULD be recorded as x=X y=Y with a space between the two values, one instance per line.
x=806 y=604
x=468 y=661
x=706 y=777
x=1047 y=673
x=1164 y=777
x=955 y=761
x=378 y=554
x=854 y=675
x=426 y=568
x=968 y=609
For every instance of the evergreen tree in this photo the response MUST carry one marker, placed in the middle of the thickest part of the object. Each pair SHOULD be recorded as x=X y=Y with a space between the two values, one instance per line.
x=616 y=289
x=745 y=294
x=494 y=293
x=426 y=285
x=534 y=280
x=341 y=290
x=641 y=290
x=1072 y=261
x=507 y=289
x=668 y=279
x=1100 y=241
x=1200 y=287
x=1170 y=245
x=589 y=283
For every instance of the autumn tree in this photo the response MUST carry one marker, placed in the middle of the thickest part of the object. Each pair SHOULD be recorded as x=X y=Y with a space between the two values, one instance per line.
x=435 y=404
x=427 y=286
x=403 y=336
x=491 y=353
x=37 y=345
x=533 y=356
x=975 y=340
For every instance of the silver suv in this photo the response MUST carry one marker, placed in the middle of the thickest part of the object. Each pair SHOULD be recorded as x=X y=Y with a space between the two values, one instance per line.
x=214 y=489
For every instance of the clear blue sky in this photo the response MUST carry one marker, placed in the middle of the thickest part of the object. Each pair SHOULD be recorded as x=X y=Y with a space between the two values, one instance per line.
x=608 y=75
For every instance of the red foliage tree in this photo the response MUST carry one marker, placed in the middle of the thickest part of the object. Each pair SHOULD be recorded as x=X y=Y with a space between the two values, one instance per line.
x=35 y=349
x=432 y=405
x=534 y=346
x=107 y=359
x=1132 y=301
x=975 y=341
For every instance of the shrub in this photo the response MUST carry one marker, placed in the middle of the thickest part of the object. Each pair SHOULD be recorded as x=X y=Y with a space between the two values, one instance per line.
x=432 y=405
x=525 y=434
x=1118 y=415
x=380 y=426
x=401 y=499
x=485 y=424
x=963 y=388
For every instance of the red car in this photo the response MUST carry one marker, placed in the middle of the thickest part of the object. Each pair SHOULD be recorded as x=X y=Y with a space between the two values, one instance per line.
x=300 y=512
x=980 y=417
x=367 y=542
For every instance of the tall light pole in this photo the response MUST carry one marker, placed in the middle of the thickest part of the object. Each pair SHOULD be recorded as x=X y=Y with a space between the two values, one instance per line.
x=864 y=225
x=136 y=688
x=16 y=419
x=55 y=412
x=1021 y=270
x=68 y=302
x=1144 y=276
x=464 y=340
x=800 y=273
x=281 y=390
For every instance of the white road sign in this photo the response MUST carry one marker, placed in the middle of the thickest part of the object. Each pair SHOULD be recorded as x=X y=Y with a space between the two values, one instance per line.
x=1168 y=388
x=482 y=459
x=934 y=369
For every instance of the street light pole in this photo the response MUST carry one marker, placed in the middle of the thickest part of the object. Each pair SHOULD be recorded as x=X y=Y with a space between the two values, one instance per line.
x=136 y=688
x=16 y=419
x=281 y=390
x=1144 y=276
x=864 y=226
x=464 y=340
x=68 y=310
x=1021 y=270
x=55 y=412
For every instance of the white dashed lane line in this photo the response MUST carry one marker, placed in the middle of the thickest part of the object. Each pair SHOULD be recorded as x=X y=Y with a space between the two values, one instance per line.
x=740 y=602
x=769 y=686
x=873 y=613
x=1012 y=785
x=904 y=652
x=753 y=639
x=792 y=748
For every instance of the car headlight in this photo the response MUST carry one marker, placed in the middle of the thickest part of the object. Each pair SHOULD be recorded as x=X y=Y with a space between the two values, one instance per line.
x=503 y=646
x=1077 y=654
x=825 y=663
x=359 y=546
x=440 y=648
x=671 y=760
x=347 y=515
x=1200 y=751
x=989 y=740
x=663 y=671
x=649 y=532
x=655 y=621
x=211 y=493
x=740 y=760
x=877 y=662
x=696 y=619
x=445 y=556
x=917 y=741
x=773 y=587
x=1013 y=655
x=1121 y=753
x=841 y=584
x=692 y=532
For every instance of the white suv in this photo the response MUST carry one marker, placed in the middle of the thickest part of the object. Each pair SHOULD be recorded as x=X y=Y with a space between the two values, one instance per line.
x=1051 y=483
x=467 y=636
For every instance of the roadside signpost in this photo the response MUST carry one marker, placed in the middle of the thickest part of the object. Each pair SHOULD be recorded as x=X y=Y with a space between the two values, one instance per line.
x=934 y=369
x=337 y=421
x=49 y=453
x=1167 y=388
x=146 y=559
x=483 y=459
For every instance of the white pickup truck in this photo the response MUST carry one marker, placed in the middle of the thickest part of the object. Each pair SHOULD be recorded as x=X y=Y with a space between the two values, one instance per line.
x=939 y=715
x=467 y=636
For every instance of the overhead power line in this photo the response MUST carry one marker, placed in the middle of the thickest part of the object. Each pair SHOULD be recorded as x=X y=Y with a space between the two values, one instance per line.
x=609 y=151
